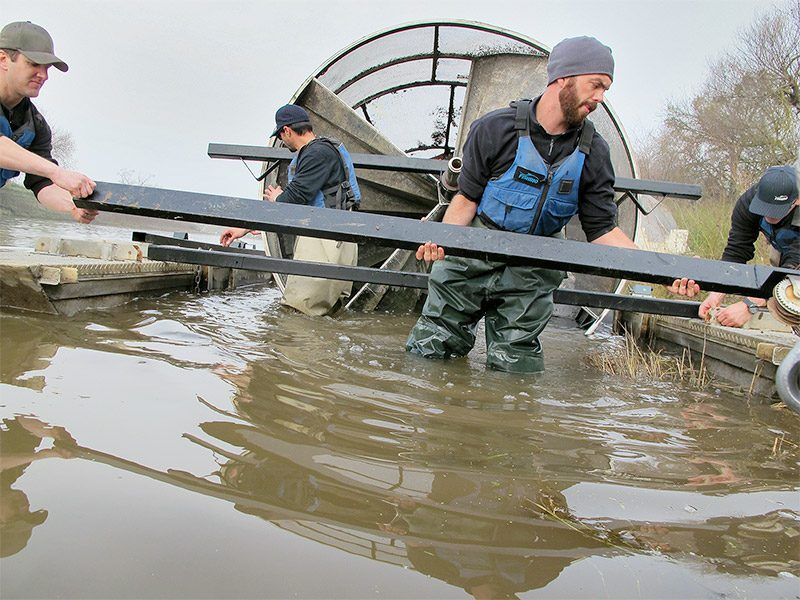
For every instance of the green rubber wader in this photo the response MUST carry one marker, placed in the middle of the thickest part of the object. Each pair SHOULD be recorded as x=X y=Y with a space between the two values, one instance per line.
x=516 y=301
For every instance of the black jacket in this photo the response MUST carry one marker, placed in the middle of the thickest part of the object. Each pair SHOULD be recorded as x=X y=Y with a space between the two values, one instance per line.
x=319 y=167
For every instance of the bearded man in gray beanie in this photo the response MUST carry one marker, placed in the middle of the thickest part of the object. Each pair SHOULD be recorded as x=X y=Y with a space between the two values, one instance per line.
x=528 y=169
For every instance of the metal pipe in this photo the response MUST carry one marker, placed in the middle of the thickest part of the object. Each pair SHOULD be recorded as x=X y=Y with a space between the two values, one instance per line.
x=787 y=379
x=449 y=177
x=448 y=180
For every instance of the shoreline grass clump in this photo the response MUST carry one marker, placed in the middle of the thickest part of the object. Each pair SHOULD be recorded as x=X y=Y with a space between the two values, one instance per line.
x=627 y=359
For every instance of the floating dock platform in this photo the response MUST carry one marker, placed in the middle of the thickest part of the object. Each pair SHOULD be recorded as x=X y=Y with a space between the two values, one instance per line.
x=66 y=276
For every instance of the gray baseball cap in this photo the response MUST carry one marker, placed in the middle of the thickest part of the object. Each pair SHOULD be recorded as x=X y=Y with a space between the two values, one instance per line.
x=33 y=42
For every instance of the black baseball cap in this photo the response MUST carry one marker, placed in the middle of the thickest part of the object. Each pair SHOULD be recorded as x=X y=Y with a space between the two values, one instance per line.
x=33 y=42
x=290 y=114
x=776 y=193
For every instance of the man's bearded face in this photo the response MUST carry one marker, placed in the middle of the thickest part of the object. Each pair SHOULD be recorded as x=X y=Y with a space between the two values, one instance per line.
x=575 y=109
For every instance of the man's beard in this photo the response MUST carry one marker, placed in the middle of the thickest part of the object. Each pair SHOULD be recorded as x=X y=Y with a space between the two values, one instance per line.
x=571 y=106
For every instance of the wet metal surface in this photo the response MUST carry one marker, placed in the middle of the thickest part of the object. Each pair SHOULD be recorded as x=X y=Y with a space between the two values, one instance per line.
x=224 y=447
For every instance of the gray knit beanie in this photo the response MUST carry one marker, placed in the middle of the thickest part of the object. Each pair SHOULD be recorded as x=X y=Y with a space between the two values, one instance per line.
x=579 y=56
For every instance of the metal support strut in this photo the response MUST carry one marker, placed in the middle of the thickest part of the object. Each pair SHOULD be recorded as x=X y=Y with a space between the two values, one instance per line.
x=408 y=164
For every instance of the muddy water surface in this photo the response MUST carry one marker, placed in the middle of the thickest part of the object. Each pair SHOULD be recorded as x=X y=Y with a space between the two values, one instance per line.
x=224 y=447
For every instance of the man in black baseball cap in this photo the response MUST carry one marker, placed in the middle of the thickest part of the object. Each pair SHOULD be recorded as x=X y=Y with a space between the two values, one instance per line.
x=26 y=54
x=290 y=114
x=776 y=194
x=321 y=175
x=768 y=207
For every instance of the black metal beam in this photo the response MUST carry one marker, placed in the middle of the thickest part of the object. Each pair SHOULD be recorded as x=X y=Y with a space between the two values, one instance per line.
x=152 y=238
x=675 y=308
x=377 y=162
x=512 y=248
x=407 y=164
x=287 y=266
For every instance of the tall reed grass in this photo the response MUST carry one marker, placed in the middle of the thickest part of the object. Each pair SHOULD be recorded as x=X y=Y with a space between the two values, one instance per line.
x=627 y=359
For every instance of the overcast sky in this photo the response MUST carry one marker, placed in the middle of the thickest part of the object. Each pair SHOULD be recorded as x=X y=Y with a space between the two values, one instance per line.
x=151 y=83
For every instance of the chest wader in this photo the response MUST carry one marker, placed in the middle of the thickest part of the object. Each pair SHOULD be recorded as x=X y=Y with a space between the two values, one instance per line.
x=22 y=135
x=517 y=301
x=312 y=295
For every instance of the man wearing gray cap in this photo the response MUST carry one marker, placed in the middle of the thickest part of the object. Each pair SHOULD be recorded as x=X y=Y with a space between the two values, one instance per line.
x=26 y=54
x=768 y=207
x=527 y=169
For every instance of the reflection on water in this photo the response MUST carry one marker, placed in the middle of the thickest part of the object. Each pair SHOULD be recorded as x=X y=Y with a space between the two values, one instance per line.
x=223 y=446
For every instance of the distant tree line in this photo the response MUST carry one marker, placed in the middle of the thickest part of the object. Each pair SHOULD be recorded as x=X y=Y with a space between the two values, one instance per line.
x=744 y=118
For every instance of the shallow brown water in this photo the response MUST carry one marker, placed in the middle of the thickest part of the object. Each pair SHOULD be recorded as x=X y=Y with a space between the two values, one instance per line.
x=223 y=446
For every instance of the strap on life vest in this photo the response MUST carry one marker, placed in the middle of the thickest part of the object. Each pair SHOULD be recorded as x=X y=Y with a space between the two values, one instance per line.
x=342 y=192
x=522 y=125
x=522 y=119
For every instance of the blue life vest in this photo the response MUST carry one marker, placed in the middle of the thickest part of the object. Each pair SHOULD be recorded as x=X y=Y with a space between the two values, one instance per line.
x=781 y=238
x=532 y=196
x=345 y=195
x=22 y=135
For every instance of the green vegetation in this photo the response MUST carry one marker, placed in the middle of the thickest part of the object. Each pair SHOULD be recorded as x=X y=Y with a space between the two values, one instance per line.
x=744 y=118
x=707 y=222
x=626 y=359
x=19 y=202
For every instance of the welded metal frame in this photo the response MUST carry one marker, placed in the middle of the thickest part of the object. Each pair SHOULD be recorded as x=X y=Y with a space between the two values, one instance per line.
x=434 y=55
x=537 y=49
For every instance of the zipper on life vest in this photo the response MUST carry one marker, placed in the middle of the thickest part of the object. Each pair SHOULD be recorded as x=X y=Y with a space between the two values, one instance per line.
x=542 y=200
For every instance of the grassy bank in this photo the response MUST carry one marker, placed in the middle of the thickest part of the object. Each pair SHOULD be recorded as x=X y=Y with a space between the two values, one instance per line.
x=18 y=202
x=708 y=221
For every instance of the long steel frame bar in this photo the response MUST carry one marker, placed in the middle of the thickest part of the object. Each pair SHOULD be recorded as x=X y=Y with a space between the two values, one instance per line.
x=408 y=234
x=164 y=240
x=432 y=166
x=215 y=258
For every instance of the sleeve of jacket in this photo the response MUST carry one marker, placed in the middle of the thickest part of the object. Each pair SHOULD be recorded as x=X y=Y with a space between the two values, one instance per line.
x=791 y=258
x=741 y=246
x=596 y=209
x=42 y=145
x=315 y=166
